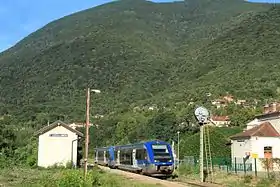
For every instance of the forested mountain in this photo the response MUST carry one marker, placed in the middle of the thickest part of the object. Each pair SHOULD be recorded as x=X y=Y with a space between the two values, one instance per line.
x=134 y=51
x=139 y=54
x=244 y=60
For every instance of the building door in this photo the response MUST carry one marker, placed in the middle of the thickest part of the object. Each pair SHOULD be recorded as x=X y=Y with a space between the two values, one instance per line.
x=79 y=155
x=268 y=157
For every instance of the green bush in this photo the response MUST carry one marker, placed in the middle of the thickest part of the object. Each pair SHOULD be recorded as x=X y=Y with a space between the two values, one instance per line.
x=248 y=179
x=75 y=178
x=218 y=140
x=31 y=160
x=265 y=182
x=69 y=165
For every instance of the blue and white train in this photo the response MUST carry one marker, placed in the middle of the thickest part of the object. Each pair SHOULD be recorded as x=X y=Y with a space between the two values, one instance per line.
x=153 y=158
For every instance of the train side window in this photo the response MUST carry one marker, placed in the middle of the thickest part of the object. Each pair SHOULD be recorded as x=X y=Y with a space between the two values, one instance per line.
x=141 y=154
x=129 y=153
x=107 y=154
x=126 y=156
x=100 y=155
x=138 y=154
x=122 y=157
x=116 y=154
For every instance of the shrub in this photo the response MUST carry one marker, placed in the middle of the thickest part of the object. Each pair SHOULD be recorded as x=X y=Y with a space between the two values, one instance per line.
x=248 y=179
x=31 y=161
x=73 y=178
x=264 y=182
x=69 y=165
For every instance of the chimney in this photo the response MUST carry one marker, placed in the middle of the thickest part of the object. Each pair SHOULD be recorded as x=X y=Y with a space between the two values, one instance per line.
x=273 y=107
x=266 y=109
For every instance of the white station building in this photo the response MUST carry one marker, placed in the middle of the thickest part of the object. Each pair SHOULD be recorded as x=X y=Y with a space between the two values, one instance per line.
x=58 y=145
x=260 y=140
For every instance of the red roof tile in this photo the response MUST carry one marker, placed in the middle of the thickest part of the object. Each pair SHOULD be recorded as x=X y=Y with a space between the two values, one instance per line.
x=263 y=130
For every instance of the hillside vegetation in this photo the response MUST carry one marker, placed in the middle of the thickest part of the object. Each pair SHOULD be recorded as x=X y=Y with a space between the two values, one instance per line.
x=132 y=50
x=139 y=54
x=245 y=58
x=219 y=138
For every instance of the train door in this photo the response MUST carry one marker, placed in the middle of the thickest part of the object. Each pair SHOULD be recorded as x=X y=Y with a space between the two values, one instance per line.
x=134 y=161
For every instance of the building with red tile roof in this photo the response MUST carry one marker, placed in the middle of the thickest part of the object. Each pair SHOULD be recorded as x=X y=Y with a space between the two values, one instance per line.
x=263 y=130
x=262 y=141
x=220 y=121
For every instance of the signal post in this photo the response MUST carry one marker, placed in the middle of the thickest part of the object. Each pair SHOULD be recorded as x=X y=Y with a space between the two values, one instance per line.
x=202 y=115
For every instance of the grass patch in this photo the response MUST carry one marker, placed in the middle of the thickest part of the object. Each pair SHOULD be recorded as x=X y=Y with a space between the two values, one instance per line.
x=191 y=173
x=63 y=178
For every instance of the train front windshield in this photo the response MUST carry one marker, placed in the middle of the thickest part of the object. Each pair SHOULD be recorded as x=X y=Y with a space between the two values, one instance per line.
x=161 y=153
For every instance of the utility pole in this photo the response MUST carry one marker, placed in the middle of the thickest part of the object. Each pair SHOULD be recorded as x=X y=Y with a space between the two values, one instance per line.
x=87 y=132
x=87 y=129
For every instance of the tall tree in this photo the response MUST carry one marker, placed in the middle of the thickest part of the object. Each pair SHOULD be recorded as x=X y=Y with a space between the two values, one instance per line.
x=163 y=126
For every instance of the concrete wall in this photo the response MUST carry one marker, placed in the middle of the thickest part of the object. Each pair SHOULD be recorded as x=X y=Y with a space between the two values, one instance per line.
x=239 y=148
x=258 y=144
x=255 y=145
x=57 y=149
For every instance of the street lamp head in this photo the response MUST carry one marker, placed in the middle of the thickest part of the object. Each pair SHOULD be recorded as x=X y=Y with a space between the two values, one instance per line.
x=95 y=91
x=178 y=132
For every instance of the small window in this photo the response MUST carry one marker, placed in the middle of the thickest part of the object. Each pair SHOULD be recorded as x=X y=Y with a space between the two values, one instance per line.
x=268 y=149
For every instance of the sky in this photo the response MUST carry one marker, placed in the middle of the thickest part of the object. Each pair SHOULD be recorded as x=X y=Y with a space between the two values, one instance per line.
x=19 y=18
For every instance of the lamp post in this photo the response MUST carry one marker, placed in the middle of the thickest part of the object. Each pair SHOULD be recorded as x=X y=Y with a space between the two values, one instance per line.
x=87 y=128
x=178 y=152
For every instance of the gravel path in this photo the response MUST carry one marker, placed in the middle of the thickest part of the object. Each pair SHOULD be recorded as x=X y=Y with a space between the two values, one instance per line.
x=144 y=179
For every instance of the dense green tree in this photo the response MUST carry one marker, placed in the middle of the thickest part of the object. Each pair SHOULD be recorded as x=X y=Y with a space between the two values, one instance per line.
x=7 y=135
x=242 y=116
x=163 y=126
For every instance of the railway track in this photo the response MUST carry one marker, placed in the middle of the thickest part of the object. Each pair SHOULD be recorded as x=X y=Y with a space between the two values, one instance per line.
x=152 y=180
